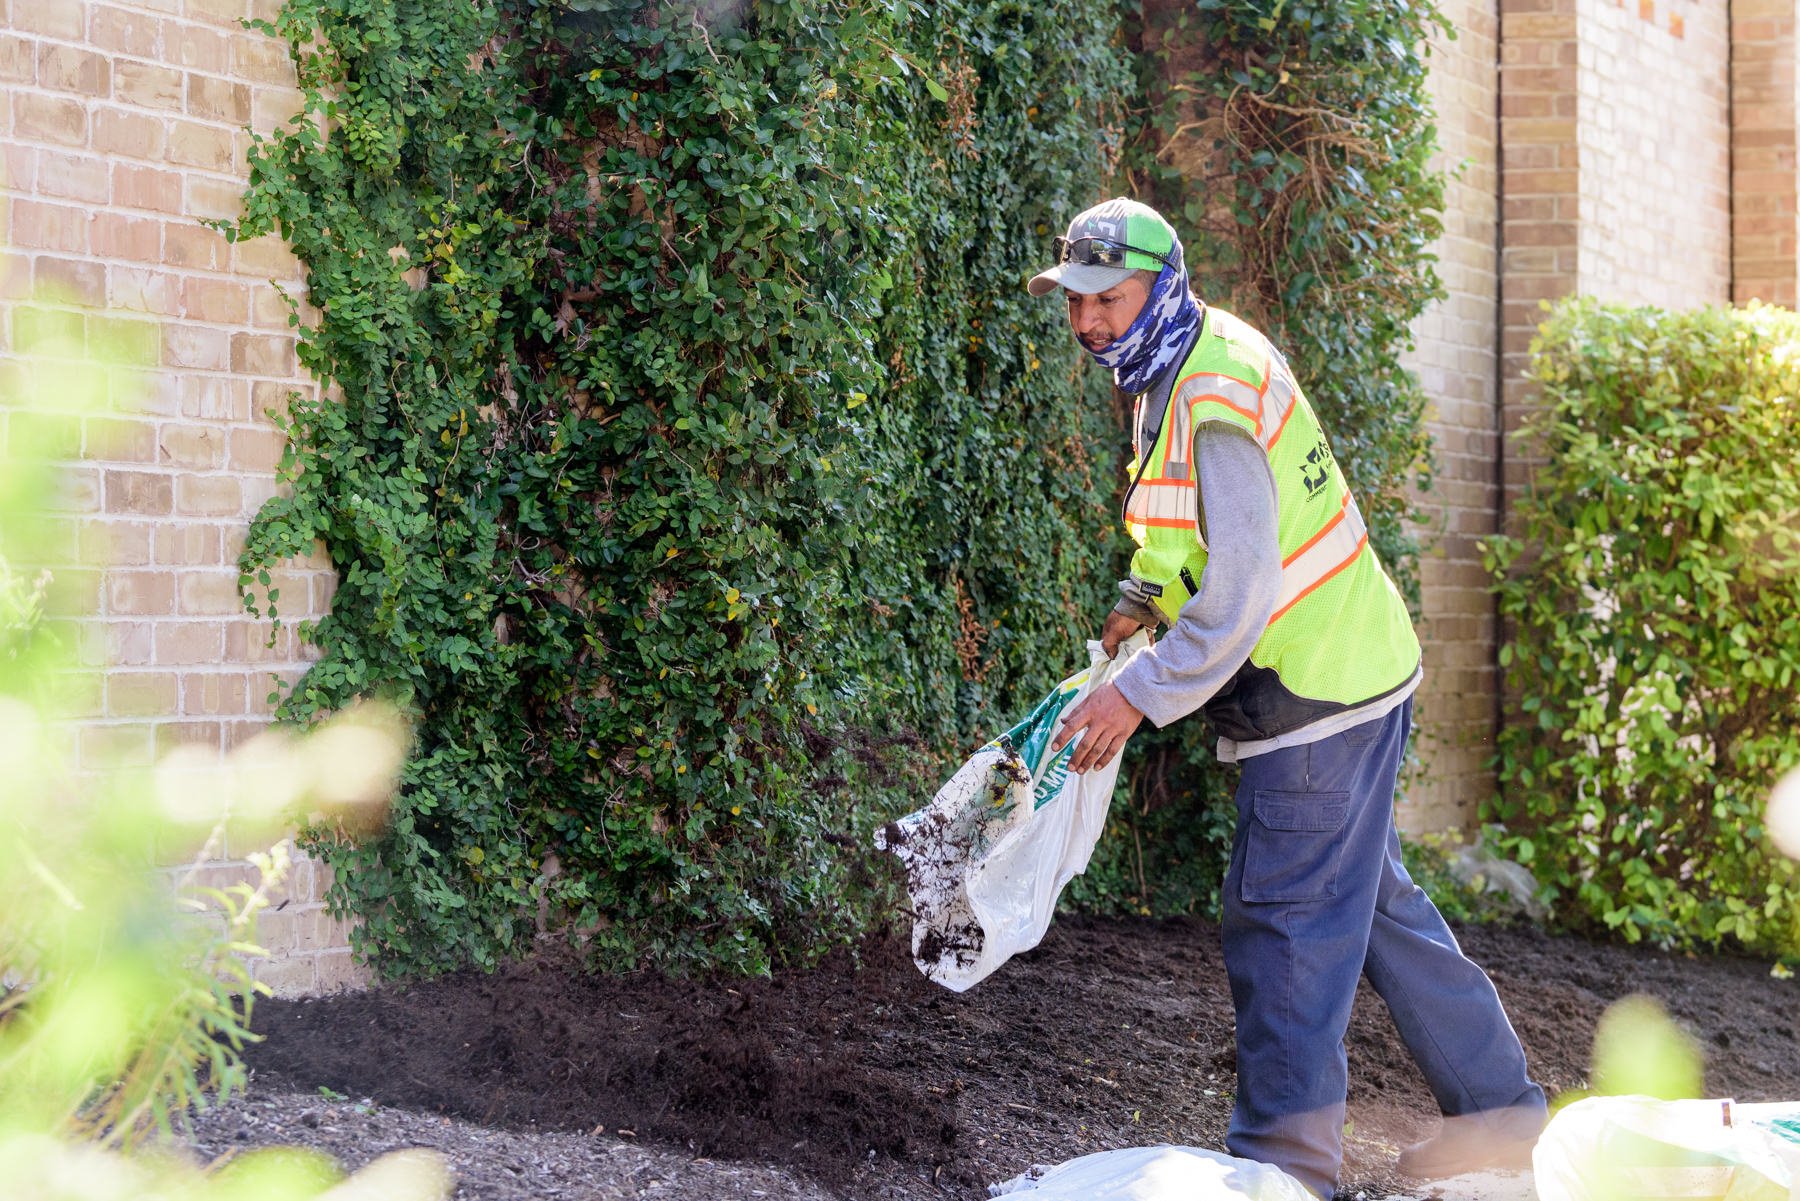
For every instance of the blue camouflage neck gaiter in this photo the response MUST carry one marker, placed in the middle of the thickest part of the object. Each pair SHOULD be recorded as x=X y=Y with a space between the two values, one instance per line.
x=1169 y=318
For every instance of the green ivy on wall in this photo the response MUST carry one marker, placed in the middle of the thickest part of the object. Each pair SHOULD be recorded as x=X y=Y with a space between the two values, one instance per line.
x=697 y=469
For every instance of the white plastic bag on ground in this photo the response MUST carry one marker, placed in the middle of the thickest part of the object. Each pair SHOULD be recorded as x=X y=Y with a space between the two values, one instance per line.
x=986 y=860
x=1154 y=1174
x=1640 y=1148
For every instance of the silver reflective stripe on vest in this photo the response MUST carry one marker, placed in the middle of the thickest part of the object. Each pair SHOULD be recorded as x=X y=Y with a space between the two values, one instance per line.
x=1234 y=394
x=1171 y=503
x=1322 y=556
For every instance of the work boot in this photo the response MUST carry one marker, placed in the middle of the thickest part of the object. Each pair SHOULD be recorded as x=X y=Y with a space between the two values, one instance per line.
x=1466 y=1144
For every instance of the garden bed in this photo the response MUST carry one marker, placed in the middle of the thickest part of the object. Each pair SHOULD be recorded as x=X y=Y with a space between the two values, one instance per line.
x=873 y=1083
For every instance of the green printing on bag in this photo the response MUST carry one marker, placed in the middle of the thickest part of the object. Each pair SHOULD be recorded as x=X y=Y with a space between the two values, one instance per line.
x=1030 y=738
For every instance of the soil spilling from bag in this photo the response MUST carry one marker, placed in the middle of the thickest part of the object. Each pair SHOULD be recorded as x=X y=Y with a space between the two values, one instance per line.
x=877 y=1083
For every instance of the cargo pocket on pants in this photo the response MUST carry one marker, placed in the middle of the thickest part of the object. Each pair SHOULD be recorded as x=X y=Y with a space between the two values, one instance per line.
x=1294 y=845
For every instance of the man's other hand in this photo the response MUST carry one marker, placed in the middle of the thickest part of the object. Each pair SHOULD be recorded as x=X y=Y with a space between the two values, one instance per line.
x=1117 y=629
x=1109 y=720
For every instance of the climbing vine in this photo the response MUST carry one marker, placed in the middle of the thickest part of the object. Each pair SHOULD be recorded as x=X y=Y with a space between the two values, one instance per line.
x=697 y=470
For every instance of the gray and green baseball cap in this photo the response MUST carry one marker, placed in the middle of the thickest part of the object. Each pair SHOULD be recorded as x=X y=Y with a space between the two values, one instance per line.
x=1120 y=223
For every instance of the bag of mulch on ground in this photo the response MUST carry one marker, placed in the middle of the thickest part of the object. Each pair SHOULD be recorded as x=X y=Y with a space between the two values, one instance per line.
x=986 y=860
x=1632 y=1148
x=1154 y=1174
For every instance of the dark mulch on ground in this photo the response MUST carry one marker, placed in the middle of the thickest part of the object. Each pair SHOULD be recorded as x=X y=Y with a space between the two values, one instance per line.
x=874 y=1083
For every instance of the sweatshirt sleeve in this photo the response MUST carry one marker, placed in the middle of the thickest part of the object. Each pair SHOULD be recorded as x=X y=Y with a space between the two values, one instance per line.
x=1216 y=630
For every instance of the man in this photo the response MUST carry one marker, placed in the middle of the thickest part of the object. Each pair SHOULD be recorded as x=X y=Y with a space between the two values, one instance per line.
x=1287 y=630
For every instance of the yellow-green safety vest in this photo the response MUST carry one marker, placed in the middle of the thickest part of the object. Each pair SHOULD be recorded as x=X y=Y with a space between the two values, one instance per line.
x=1340 y=635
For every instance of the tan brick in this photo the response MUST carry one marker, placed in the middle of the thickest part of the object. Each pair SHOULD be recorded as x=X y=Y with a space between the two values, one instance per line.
x=73 y=590
x=73 y=176
x=195 y=447
x=151 y=494
x=142 y=693
x=20 y=162
x=273 y=108
x=220 y=12
x=214 y=694
x=208 y=496
x=268 y=396
x=79 y=280
x=125 y=31
x=196 y=346
x=147 y=85
x=143 y=290
x=255 y=451
x=53 y=18
x=290 y=977
x=113 y=746
x=214 y=199
x=265 y=257
x=259 y=58
x=225 y=301
x=138 y=187
x=72 y=69
x=36 y=225
x=116 y=235
x=125 y=341
x=269 y=308
x=119 y=439
x=122 y=643
x=338 y=971
x=214 y=99
x=146 y=593
x=129 y=134
x=207 y=593
x=215 y=398
x=187 y=642
x=262 y=354
x=17 y=62
x=77 y=490
x=173 y=734
x=203 y=46
x=186 y=244
x=186 y=544
x=44 y=118
x=208 y=147
x=251 y=642
x=115 y=544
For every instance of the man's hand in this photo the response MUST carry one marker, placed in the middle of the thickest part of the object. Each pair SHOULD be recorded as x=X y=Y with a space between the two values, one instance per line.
x=1109 y=720
x=1117 y=629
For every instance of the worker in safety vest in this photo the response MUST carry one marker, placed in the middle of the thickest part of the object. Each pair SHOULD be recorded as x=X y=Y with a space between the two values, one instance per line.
x=1287 y=631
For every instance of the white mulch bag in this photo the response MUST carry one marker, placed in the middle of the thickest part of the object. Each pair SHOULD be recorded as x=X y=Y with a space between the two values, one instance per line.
x=1154 y=1174
x=1639 y=1148
x=987 y=858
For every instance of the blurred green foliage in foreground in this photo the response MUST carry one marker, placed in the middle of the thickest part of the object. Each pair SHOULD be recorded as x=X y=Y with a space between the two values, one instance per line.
x=123 y=1001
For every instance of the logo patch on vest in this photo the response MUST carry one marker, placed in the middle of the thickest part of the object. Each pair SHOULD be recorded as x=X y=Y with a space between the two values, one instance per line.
x=1315 y=470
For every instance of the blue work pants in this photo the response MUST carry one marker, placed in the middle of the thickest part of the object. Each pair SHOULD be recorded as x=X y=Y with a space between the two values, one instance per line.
x=1316 y=895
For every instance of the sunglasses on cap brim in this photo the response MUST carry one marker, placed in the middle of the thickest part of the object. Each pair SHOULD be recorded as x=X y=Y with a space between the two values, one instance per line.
x=1099 y=252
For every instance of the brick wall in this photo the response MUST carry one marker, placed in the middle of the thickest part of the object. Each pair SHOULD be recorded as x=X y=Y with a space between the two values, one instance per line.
x=1654 y=130
x=123 y=126
x=1763 y=162
x=1455 y=359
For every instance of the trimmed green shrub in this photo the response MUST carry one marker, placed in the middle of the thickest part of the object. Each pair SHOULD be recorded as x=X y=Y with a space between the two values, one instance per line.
x=1652 y=590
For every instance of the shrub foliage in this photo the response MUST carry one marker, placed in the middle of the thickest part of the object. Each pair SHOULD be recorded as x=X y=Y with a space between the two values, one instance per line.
x=696 y=468
x=1653 y=590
